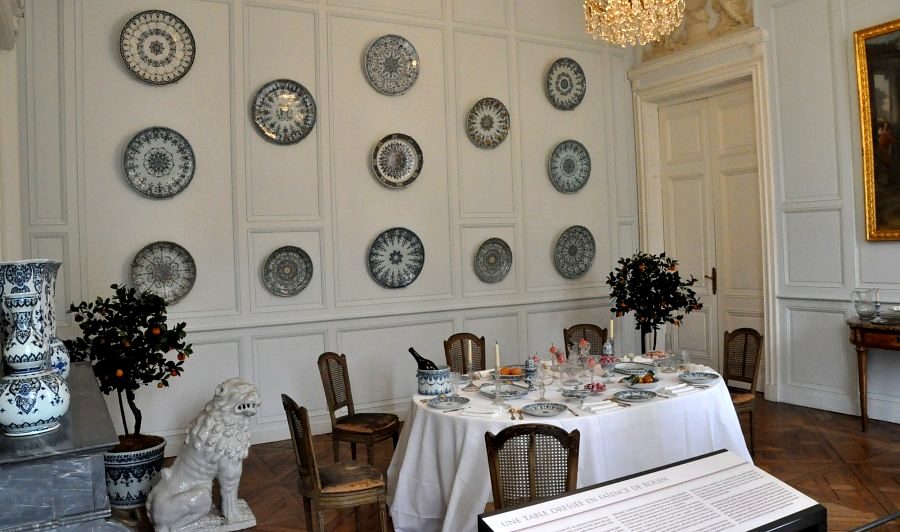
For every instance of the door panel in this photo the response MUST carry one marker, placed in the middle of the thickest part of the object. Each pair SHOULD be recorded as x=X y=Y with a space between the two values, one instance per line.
x=688 y=219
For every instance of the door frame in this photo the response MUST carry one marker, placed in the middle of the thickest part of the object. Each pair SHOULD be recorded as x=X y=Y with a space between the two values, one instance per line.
x=691 y=74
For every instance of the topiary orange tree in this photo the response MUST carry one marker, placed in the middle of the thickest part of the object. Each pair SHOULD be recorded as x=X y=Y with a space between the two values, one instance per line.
x=127 y=340
x=649 y=286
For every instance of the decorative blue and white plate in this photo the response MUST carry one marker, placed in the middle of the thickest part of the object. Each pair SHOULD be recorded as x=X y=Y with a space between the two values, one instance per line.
x=574 y=252
x=397 y=160
x=159 y=162
x=165 y=269
x=566 y=84
x=507 y=391
x=157 y=47
x=447 y=402
x=570 y=166
x=632 y=368
x=544 y=409
x=283 y=111
x=493 y=260
x=391 y=65
x=634 y=396
x=287 y=271
x=396 y=258
x=697 y=377
x=574 y=393
x=487 y=124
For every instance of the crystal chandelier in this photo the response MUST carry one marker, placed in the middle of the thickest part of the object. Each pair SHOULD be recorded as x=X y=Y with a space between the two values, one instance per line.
x=632 y=21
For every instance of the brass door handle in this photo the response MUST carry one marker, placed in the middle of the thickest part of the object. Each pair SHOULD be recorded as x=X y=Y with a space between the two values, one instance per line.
x=713 y=278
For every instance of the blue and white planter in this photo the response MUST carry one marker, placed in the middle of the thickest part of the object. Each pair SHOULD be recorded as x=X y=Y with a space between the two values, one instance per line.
x=131 y=475
x=434 y=381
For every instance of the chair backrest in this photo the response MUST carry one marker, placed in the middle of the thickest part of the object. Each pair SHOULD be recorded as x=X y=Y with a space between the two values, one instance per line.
x=298 y=422
x=336 y=381
x=455 y=351
x=743 y=348
x=531 y=461
x=592 y=333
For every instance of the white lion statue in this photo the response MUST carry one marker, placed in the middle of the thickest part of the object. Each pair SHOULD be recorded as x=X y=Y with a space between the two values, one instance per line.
x=215 y=446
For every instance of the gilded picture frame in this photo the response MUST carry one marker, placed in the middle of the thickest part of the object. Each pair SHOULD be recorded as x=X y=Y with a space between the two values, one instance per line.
x=878 y=81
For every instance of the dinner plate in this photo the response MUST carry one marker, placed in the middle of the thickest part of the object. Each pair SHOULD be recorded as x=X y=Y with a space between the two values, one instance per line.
x=164 y=269
x=487 y=123
x=507 y=391
x=697 y=377
x=446 y=402
x=634 y=396
x=544 y=409
x=566 y=84
x=493 y=260
x=632 y=368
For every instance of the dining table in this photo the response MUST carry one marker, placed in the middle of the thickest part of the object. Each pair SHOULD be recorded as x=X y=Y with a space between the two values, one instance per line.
x=438 y=479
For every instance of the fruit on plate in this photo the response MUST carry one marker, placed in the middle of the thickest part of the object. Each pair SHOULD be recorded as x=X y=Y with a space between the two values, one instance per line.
x=646 y=378
x=595 y=387
x=510 y=372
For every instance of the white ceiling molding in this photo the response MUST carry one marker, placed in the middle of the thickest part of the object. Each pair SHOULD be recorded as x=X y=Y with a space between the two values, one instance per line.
x=10 y=13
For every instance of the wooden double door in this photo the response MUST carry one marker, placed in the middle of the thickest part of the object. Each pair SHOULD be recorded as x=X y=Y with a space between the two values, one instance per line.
x=712 y=216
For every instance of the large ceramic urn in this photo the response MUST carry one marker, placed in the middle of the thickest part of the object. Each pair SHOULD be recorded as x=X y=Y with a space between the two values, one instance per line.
x=33 y=398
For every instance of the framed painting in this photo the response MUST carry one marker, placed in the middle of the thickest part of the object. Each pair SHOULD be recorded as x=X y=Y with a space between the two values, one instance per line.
x=878 y=79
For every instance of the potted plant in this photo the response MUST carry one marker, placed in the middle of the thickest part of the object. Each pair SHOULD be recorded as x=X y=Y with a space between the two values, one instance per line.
x=650 y=286
x=127 y=341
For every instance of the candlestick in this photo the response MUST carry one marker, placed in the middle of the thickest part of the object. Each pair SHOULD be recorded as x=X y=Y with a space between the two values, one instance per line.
x=497 y=356
x=876 y=295
x=612 y=329
x=469 y=353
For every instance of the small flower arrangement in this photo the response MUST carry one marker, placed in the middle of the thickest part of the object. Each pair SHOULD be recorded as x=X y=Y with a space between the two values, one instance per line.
x=557 y=354
x=584 y=347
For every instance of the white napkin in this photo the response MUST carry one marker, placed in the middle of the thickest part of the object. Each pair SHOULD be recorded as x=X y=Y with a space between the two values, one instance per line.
x=478 y=413
x=680 y=389
x=643 y=360
x=603 y=407
x=700 y=367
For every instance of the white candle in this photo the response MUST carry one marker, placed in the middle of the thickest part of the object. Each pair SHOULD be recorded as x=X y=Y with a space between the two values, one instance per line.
x=876 y=295
x=612 y=329
x=497 y=355
x=469 y=354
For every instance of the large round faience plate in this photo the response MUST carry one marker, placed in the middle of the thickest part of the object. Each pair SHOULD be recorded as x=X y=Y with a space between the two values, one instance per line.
x=157 y=47
x=287 y=271
x=283 y=111
x=634 y=396
x=493 y=260
x=396 y=258
x=487 y=124
x=397 y=160
x=574 y=252
x=165 y=269
x=698 y=377
x=159 y=162
x=544 y=409
x=391 y=65
x=566 y=84
x=570 y=166
x=507 y=391
x=447 y=402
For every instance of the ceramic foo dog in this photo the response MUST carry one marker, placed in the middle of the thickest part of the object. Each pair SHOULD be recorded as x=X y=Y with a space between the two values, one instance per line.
x=215 y=446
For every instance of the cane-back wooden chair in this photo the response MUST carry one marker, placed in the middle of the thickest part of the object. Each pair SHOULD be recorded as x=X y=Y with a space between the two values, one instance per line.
x=367 y=428
x=531 y=461
x=742 y=354
x=341 y=485
x=592 y=333
x=456 y=352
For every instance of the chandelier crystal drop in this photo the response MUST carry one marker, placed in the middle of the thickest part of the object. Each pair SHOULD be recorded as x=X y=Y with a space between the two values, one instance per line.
x=625 y=22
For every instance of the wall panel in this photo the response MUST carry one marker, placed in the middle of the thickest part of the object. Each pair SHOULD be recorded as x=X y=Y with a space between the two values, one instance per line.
x=286 y=364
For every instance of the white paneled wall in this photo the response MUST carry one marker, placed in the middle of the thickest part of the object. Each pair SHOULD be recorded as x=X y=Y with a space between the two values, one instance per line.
x=248 y=196
x=820 y=219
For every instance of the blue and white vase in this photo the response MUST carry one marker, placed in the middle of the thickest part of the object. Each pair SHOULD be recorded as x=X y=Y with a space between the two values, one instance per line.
x=33 y=399
x=131 y=474
x=59 y=355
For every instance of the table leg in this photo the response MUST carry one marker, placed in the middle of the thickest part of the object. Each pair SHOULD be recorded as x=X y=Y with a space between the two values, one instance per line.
x=862 y=355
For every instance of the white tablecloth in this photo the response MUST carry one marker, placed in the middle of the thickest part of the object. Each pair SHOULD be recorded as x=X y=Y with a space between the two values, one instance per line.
x=438 y=478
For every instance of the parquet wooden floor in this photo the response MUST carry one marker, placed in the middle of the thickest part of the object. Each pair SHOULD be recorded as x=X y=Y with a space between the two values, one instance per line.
x=855 y=475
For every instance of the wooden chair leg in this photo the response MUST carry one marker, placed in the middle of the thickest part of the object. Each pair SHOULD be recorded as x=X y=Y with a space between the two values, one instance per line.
x=307 y=511
x=321 y=516
x=336 y=448
x=353 y=451
x=356 y=516
x=395 y=437
x=370 y=451
x=382 y=513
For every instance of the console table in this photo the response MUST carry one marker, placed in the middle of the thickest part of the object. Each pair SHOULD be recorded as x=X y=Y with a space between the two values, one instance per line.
x=56 y=480
x=865 y=335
